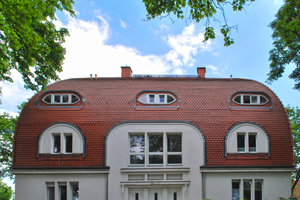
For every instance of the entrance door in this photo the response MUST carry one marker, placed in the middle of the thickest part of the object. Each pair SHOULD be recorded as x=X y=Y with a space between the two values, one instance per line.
x=155 y=194
x=136 y=194
x=174 y=193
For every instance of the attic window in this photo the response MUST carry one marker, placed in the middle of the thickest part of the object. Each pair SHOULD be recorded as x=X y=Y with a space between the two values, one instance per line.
x=61 y=99
x=246 y=99
x=156 y=99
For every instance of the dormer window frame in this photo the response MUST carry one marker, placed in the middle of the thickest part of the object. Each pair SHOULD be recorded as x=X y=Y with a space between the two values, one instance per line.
x=157 y=99
x=68 y=104
x=61 y=101
x=251 y=99
x=250 y=104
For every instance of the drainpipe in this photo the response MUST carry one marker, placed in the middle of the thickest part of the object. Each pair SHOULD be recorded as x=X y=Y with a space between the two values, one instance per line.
x=203 y=185
x=106 y=177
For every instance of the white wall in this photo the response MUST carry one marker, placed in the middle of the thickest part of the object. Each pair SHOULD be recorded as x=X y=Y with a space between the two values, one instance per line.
x=33 y=186
x=275 y=184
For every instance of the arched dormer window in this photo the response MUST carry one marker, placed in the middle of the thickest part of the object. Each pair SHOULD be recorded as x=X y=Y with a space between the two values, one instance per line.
x=156 y=99
x=247 y=138
x=61 y=139
x=250 y=100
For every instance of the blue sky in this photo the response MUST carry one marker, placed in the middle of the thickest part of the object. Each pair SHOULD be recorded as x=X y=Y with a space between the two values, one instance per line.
x=108 y=34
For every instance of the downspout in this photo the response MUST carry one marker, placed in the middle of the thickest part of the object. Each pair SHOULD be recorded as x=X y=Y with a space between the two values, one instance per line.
x=203 y=185
x=106 y=195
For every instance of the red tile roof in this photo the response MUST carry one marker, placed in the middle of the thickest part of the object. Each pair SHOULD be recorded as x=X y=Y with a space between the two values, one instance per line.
x=108 y=101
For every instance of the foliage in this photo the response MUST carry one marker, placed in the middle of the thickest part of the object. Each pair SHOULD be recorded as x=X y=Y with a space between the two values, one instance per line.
x=198 y=10
x=30 y=42
x=7 y=128
x=294 y=116
x=5 y=191
x=286 y=35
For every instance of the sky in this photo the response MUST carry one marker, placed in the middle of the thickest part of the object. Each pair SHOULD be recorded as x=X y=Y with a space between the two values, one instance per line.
x=106 y=35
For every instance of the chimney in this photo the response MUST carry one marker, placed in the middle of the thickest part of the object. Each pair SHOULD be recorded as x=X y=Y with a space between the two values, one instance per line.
x=126 y=72
x=201 y=72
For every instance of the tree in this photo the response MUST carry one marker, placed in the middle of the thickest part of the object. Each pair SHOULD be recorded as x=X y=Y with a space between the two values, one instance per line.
x=286 y=35
x=198 y=10
x=5 y=191
x=7 y=128
x=294 y=116
x=30 y=42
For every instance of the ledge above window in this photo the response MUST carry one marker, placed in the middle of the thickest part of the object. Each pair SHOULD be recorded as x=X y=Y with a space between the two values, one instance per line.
x=60 y=99
x=250 y=100
x=156 y=99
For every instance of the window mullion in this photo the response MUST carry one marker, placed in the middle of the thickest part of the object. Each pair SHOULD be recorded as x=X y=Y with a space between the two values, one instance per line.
x=165 y=150
x=146 y=148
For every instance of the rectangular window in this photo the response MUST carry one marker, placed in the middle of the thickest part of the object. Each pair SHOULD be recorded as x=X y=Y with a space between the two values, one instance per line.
x=136 y=196
x=235 y=190
x=155 y=196
x=174 y=148
x=174 y=196
x=50 y=191
x=258 y=189
x=246 y=99
x=151 y=98
x=69 y=143
x=65 y=98
x=75 y=191
x=241 y=141
x=155 y=148
x=137 y=149
x=247 y=189
x=254 y=100
x=161 y=98
x=56 y=143
x=252 y=142
x=63 y=192
x=57 y=98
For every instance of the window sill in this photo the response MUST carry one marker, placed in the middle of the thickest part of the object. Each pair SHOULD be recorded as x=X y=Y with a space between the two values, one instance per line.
x=246 y=156
x=69 y=156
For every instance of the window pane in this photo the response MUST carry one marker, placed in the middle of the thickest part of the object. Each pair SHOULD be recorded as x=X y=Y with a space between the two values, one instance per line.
x=155 y=159
x=246 y=98
x=247 y=190
x=136 y=196
x=50 y=193
x=156 y=143
x=235 y=190
x=174 y=159
x=258 y=189
x=174 y=143
x=63 y=192
x=57 y=98
x=47 y=99
x=69 y=143
x=161 y=98
x=263 y=100
x=241 y=142
x=170 y=99
x=237 y=99
x=151 y=98
x=175 y=196
x=252 y=143
x=137 y=144
x=253 y=99
x=74 y=98
x=75 y=192
x=56 y=148
x=65 y=98
x=137 y=159
x=155 y=196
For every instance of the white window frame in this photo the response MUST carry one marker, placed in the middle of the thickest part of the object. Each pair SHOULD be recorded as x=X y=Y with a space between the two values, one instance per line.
x=246 y=142
x=251 y=103
x=61 y=99
x=157 y=99
x=63 y=145
x=241 y=187
x=164 y=153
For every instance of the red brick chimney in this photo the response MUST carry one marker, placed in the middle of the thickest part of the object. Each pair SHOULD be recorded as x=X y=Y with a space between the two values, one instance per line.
x=126 y=72
x=201 y=72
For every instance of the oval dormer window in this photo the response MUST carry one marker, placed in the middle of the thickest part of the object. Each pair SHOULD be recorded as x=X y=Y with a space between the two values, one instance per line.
x=61 y=99
x=156 y=99
x=247 y=99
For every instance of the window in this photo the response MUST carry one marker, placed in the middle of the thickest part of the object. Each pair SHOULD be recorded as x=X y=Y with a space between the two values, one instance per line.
x=246 y=142
x=246 y=99
x=162 y=148
x=75 y=191
x=62 y=192
x=50 y=191
x=156 y=99
x=66 y=141
x=246 y=189
x=61 y=99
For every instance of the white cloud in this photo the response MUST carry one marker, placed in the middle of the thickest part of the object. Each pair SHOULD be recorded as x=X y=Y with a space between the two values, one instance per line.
x=162 y=27
x=213 y=70
x=123 y=24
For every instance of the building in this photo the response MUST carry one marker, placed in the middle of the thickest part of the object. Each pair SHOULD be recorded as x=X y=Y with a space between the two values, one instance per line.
x=153 y=138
